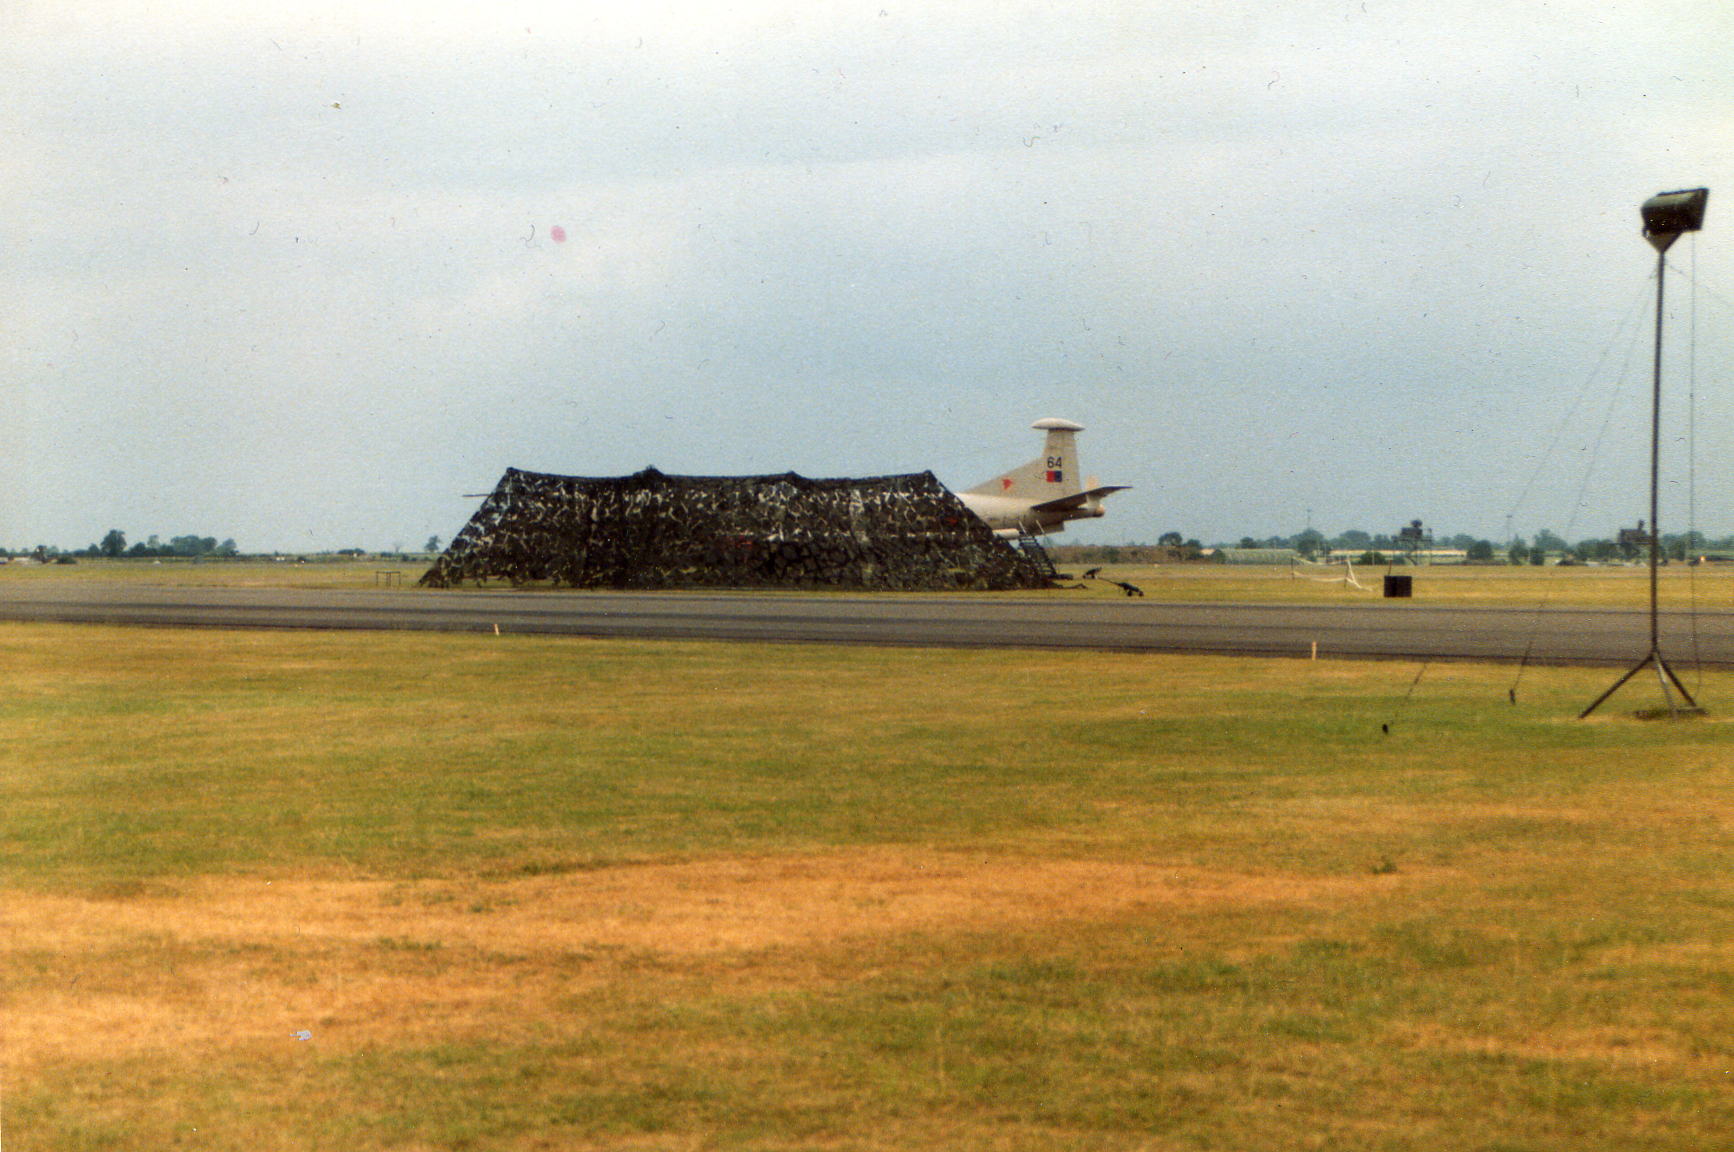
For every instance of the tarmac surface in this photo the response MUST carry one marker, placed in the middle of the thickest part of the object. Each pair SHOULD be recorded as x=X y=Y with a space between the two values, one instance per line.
x=1392 y=629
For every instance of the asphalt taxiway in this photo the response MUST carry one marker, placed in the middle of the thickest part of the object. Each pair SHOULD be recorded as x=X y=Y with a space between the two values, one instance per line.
x=1388 y=629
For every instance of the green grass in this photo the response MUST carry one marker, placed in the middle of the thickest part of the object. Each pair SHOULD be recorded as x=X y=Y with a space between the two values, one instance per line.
x=1177 y=903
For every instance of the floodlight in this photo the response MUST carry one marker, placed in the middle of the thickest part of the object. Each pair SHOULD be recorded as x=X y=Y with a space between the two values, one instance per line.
x=1668 y=214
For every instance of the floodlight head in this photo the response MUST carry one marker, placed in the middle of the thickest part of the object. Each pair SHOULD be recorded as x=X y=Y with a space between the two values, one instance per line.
x=1668 y=214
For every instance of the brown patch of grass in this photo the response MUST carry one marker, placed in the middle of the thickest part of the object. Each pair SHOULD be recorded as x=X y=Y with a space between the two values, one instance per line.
x=1608 y=1044
x=218 y=960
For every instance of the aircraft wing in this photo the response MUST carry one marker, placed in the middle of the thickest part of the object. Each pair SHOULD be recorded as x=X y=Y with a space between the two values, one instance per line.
x=1077 y=499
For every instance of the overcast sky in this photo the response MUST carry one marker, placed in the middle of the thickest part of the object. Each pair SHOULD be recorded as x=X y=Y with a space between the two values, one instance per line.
x=307 y=274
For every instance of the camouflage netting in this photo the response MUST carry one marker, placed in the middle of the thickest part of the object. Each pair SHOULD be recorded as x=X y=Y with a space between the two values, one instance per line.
x=649 y=530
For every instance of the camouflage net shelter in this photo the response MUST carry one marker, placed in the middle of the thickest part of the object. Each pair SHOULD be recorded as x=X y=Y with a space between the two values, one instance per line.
x=651 y=530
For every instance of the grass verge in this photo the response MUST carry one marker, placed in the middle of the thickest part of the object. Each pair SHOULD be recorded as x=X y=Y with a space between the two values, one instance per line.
x=404 y=891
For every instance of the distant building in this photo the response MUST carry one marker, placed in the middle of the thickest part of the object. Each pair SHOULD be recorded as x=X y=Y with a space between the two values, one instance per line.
x=1253 y=555
x=1397 y=556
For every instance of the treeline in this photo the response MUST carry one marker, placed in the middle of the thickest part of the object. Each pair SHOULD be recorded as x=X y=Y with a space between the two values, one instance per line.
x=1544 y=547
x=1312 y=543
x=114 y=546
x=1121 y=553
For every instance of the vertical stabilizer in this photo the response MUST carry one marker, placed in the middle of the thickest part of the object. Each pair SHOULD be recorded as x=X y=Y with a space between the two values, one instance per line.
x=1050 y=476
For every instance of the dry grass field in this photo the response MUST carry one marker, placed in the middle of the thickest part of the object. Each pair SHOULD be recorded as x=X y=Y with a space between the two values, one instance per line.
x=248 y=573
x=1683 y=587
x=402 y=891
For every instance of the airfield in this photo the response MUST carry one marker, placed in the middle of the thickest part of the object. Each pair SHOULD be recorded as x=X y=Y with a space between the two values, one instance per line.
x=314 y=860
x=1584 y=616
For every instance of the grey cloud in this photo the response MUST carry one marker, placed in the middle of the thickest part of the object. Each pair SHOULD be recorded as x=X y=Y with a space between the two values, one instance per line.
x=296 y=282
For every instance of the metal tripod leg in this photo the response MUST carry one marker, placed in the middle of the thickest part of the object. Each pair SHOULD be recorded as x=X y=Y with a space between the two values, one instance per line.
x=1663 y=673
x=1618 y=684
x=1668 y=675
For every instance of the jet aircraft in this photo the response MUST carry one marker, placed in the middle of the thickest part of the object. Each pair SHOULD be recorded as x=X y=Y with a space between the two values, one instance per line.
x=1044 y=494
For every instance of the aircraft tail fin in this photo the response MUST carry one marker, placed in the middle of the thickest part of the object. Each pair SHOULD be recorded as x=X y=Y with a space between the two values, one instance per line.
x=1051 y=476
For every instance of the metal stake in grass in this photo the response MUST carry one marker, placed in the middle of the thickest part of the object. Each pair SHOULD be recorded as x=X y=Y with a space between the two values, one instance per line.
x=1666 y=216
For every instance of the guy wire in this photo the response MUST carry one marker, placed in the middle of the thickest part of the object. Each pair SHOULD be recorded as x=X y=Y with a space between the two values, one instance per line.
x=1578 y=399
x=1589 y=466
x=1404 y=702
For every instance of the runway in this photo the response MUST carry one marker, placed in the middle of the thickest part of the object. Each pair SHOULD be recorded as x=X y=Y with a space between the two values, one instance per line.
x=1383 y=629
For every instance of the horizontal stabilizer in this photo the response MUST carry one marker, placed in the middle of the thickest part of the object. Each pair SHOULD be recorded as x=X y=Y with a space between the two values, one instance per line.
x=1078 y=499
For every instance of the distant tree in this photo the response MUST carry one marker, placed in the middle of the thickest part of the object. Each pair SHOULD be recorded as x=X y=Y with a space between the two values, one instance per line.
x=432 y=545
x=228 y=548
x=192 y=545
x=1170 y=540
x=1310 y=543
x=1352 y=539
x=1480 y=552
x=1245 y=541
x=114 y=544
x=1546 y=541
